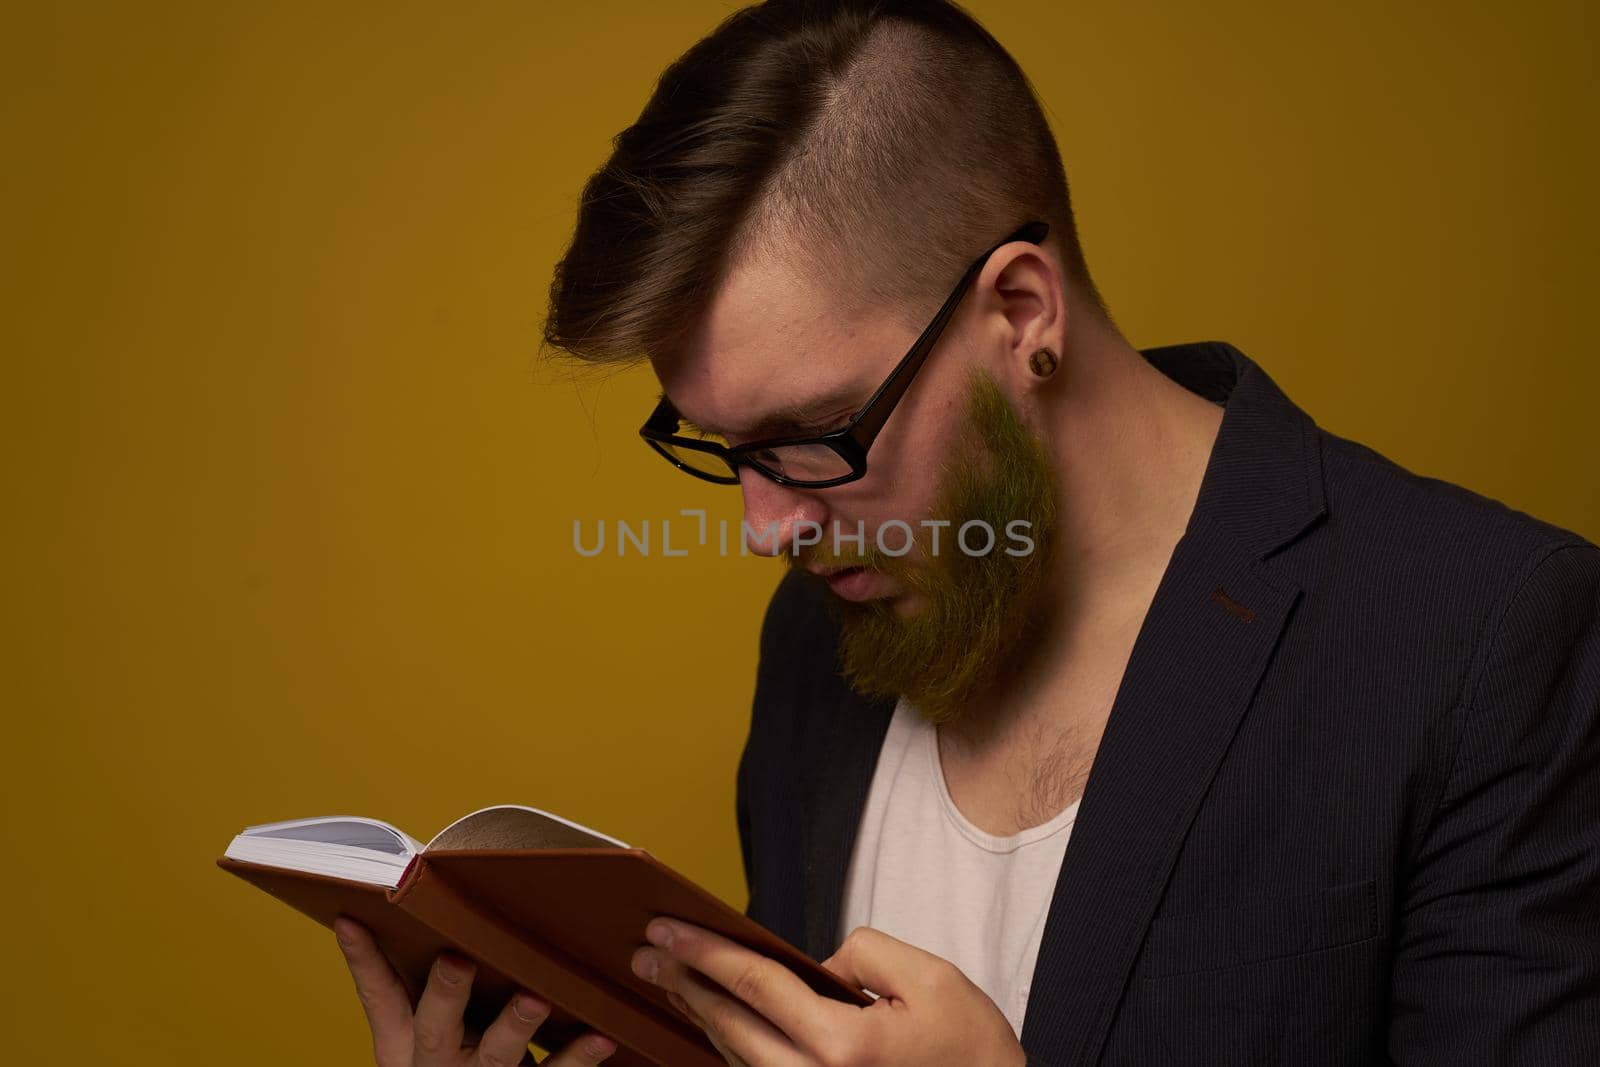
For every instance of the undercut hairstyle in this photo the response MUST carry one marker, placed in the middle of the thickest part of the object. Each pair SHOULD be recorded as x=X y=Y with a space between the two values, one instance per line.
x=879 y=145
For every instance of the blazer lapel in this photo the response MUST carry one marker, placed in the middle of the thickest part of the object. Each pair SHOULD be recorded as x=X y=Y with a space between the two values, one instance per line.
x=1196 y=663
x=1194 y=668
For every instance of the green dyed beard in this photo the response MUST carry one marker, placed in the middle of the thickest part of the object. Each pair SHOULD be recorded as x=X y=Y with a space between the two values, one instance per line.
x=979 y=613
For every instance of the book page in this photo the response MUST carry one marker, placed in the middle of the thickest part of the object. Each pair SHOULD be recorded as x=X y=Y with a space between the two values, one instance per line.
x=515 y=826
x=352 y=830
x=341 y=846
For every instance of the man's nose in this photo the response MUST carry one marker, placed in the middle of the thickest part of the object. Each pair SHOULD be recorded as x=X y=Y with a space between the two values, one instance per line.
x=775 y=515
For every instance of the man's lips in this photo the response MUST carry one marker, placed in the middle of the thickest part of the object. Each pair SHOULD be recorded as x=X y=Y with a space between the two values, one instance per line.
x=849 y=583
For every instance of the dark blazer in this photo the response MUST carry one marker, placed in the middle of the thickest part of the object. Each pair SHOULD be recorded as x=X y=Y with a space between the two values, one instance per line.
x=1346 y=808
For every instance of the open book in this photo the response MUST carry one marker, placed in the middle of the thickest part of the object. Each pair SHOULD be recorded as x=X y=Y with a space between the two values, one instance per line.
x=366 y=850
x=536 y=900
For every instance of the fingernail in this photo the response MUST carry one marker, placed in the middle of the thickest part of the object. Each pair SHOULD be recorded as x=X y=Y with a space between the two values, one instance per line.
x=678 y=1002
x=645 y=965
x=659 y=933
x=453 y=971
x=601 y=1047
x=341 y=930
x=528 y=1009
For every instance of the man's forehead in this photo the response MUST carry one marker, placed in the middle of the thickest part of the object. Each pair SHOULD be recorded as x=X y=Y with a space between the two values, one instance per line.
x=774 y=346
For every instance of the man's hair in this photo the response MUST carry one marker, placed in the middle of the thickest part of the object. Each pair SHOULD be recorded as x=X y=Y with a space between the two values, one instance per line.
x=880 y=144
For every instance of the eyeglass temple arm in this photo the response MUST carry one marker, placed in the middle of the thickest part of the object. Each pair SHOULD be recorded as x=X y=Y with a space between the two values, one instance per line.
x=664 y=419
x=877 y=409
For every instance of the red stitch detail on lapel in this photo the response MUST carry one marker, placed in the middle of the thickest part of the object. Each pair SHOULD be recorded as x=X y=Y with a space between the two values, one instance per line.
x=1231 y=604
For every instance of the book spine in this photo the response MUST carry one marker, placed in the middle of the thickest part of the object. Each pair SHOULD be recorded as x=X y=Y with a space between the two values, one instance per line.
x=584 y=993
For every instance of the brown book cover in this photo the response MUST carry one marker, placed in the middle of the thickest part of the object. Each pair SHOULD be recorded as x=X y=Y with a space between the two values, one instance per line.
x=537 y=901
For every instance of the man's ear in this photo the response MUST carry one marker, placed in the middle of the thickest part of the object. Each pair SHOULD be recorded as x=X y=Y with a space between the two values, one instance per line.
x=1021 y=287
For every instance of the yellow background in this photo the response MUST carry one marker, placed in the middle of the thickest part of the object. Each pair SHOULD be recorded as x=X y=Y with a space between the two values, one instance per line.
x=288 y=496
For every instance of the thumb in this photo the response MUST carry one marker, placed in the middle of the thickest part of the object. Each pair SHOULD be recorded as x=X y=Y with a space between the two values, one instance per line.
x=871 y=959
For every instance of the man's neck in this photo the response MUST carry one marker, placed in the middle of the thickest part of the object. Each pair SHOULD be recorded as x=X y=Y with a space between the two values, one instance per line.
x=1131 y=447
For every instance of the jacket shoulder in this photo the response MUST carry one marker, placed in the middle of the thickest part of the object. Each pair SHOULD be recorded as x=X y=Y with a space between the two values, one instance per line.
x=1419 y=574
x=1432 y=526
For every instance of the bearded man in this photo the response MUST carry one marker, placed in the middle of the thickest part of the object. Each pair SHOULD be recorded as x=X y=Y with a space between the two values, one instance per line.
x=1323 y=734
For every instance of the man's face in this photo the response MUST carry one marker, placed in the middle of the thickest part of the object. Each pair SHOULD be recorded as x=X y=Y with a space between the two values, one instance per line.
x=980 y=580
x=934 y=621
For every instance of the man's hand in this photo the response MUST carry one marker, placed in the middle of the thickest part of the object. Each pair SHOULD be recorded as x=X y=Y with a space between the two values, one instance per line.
x=434 y=1035
x=758 y=1013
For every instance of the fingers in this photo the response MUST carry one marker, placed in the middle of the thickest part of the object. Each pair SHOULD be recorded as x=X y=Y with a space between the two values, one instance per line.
x=437 y=1026
x=506 y=1041
x=433 y=1036
x=737 y=1031
x=727 y=1053
x=773 y=993
x=382 y=996
x=586 y=1051
x=872 y=959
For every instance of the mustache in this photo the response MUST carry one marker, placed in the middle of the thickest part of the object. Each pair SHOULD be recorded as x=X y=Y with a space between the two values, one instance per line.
x=823 y=555
x=826 y=560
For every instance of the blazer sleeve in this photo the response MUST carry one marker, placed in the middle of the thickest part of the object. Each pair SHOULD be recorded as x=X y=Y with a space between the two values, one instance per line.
x=741 y=807
x=1497 y=949
x=748 y=755
x=764 y=745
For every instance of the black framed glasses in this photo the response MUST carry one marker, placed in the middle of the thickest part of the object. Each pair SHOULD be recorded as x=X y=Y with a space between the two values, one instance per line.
x=821 y=460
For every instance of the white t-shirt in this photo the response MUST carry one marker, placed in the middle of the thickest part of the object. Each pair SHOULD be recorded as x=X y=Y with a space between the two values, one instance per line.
x=924 y=874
